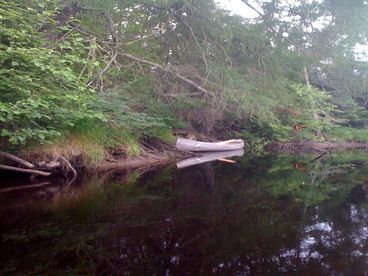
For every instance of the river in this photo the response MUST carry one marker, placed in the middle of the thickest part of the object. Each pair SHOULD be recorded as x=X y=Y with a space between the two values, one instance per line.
x=264 y=215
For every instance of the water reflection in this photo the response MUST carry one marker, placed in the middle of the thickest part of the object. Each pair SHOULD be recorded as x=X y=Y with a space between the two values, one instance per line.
x=258 y=216
x=208 y=157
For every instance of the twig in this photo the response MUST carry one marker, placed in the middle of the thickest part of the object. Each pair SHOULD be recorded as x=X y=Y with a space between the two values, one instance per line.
x=17 y=159
x=10 y=168
x=71 y=167
x=319 y=156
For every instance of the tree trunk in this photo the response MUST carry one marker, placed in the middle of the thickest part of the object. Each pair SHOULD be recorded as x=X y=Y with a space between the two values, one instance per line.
x=306 y=77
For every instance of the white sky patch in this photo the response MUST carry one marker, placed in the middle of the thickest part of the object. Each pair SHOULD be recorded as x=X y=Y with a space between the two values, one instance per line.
x=237 y=7
x=361 y=52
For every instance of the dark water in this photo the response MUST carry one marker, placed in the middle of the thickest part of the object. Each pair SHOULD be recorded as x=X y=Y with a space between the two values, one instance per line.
x=263 y=215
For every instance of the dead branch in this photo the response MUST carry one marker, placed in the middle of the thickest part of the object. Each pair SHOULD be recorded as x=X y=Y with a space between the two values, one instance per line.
x=168 y=70
x=194 y=38
x=319 y=156
x=115 y=38
x=52 y=165
x=252 y=7
x=17 y=159
x=15 y=169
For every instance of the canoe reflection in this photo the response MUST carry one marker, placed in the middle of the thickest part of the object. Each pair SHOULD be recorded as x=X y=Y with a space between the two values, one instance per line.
x=208 y=157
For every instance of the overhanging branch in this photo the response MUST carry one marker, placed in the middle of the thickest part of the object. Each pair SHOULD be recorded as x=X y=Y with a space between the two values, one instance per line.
x=167 y=69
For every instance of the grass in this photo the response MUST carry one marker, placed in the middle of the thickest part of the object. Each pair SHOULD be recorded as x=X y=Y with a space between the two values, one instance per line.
x=348 y=134
x=164 y=134
x=92 y=141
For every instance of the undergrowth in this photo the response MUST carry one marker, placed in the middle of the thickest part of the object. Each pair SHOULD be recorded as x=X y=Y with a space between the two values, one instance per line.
x=348 y=134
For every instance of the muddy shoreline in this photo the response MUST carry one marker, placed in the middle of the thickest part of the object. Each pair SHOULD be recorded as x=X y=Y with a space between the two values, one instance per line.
x=41 y=164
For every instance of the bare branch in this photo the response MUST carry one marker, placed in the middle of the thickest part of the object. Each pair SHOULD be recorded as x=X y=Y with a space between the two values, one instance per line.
x=115 y=38
x=110 y=25
x=246 y=2
x=194 y=38
x=173 y=72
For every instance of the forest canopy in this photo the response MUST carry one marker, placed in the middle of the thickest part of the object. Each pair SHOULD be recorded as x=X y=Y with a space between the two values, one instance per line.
x=132 y=69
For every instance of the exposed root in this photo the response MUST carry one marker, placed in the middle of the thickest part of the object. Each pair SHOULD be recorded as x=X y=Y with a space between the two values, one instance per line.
x=75 y=174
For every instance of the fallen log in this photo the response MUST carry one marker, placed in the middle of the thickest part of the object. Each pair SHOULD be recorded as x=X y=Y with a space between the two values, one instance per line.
x=15 y=169
x=17 y=159
x=48 y=166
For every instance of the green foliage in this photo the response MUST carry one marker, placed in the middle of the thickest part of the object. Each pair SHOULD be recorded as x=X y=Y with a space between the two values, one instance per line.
x=51 y=70
x=123 y=114
x=42 y=92
x=341 y=133
x=309 y=103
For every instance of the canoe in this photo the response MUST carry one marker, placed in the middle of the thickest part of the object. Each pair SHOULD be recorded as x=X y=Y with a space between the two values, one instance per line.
x=208 y=157
x=191 y=145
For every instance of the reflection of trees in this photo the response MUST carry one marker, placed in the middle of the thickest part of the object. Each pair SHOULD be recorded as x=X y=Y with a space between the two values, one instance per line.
x=330 y=177
x=335 y=241
x=262 y=216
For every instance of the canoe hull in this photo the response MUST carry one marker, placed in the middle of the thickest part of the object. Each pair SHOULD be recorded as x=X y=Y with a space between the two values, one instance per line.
x=197 y=146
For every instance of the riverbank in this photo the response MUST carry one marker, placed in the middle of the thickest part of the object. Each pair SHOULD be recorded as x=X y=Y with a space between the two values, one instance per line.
x=73 y=159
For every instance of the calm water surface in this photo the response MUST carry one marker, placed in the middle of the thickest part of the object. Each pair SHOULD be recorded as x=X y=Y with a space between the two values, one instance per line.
x=263 y=215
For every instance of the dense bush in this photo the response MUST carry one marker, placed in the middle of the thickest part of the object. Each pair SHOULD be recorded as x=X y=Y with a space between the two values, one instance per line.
x=42 y=86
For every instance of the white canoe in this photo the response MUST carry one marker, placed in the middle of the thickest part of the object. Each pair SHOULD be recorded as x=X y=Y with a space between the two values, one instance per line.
x=191 y=145
x=208 y=157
